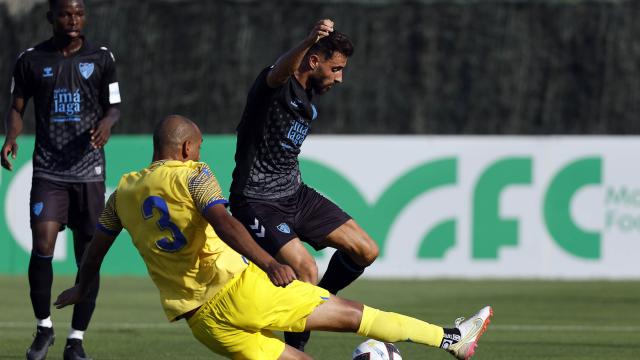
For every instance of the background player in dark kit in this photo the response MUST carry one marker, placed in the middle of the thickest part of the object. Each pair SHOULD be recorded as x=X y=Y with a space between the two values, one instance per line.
x=267 y=192
x=75 y=92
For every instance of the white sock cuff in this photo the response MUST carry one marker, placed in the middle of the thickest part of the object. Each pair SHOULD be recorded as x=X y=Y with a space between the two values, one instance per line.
x=45 y=322
x=75 y=334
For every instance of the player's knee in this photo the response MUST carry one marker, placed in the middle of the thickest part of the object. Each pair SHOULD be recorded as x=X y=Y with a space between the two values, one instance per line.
x=360 y=247
x=366 y=253
x=43 y=249
x=44 y=238
x=307 y=271
x=371 y=253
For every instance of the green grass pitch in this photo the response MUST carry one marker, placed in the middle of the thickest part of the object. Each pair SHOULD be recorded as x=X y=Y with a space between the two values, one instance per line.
x=533 y=319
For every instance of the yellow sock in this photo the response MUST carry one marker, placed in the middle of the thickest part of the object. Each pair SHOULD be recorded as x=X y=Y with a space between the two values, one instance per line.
x=392 y=327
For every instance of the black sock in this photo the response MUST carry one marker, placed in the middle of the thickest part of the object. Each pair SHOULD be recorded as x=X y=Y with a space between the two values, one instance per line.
x=83 y=311
x=297 y=340
x=40 y=280
x=451 y=336
x=341 y=272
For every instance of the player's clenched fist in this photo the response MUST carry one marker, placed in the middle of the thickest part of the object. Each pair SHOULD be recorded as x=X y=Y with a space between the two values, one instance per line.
x=321 y=29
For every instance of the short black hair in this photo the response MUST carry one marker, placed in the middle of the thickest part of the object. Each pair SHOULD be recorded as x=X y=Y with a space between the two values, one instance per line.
x=53 y=4
x=335 y=41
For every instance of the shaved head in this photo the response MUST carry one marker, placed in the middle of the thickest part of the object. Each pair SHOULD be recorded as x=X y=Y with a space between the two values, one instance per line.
x=172 y=134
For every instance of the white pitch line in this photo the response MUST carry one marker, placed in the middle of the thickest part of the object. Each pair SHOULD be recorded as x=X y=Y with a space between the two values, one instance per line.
x=564 y=328
x=94 y=325
x=492 y=327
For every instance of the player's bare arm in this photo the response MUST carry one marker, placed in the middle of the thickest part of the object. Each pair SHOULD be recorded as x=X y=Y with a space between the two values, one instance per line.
x=102 y=131
x=13 y=128
x=89 y=268
x=290 y=61
x=233 y=233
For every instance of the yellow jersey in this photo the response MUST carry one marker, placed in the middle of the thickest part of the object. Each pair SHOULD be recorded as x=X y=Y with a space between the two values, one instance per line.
x=161 y=207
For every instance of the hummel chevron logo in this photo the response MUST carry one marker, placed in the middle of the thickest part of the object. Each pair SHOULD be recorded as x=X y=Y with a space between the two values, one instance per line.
x=256 y=225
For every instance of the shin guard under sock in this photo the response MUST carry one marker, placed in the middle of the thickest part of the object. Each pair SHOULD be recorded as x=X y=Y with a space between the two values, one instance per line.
x=392 y=327
x=40 y=280
x=83 y=311
x=341 y=272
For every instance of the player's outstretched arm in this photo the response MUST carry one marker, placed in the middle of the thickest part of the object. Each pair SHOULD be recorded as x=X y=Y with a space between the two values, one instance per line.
x=13 y=128
x=236 y=236
x=89 y=268
x=290 y=61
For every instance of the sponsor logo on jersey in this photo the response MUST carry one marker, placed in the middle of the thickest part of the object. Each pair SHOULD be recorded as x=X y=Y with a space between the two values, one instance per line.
x=86 y=69
x=47 y=72
x=66 y=105
x=284 y=228
x=297 y=132
x=37 y=208
x=98 y=170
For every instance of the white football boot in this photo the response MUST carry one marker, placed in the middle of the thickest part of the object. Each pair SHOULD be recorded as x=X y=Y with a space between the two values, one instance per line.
x=470 y=331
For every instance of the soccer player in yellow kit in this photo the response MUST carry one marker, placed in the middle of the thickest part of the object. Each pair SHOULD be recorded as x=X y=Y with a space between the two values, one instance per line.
x=178 y=221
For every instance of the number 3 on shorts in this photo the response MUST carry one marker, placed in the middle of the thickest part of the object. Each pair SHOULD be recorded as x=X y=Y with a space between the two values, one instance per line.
x=156 y=202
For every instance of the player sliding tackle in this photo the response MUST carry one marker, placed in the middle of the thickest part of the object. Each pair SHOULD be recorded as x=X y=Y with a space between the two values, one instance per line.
x=232 y=305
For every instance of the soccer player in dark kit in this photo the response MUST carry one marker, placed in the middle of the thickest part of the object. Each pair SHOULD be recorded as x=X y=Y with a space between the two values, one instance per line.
x=75 y=92
x=267 y=193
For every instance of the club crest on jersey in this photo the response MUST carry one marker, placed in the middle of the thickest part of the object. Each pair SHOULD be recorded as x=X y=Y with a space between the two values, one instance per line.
x=37 y=208
x=284 y=228
x=47 y=72
x=86 y=69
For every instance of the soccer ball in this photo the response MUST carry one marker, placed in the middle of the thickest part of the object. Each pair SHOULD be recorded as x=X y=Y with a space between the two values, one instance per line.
x=376 y=350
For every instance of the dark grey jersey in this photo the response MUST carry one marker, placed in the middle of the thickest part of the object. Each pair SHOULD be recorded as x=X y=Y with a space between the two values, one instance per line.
x=70 y=95
x=274 y=124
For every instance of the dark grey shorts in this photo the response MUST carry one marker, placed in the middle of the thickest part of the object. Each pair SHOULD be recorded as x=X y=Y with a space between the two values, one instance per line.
x=306 y=214
x=77 y=205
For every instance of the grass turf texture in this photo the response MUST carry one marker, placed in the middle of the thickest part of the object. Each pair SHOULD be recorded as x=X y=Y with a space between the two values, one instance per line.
x=533 y=319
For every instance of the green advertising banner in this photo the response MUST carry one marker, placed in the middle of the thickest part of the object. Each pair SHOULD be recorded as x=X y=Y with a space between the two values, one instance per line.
x=457 y=206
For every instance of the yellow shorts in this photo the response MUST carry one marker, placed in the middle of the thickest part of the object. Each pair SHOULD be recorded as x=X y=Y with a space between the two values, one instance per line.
x=237 y=322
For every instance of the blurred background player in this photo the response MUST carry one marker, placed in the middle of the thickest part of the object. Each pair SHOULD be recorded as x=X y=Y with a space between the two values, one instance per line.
x=75 y=92
x=267 y=192
x=231 y=305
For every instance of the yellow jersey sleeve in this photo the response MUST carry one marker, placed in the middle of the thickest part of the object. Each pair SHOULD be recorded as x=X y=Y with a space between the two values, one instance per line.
x=109 y=222
x=204 y=188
